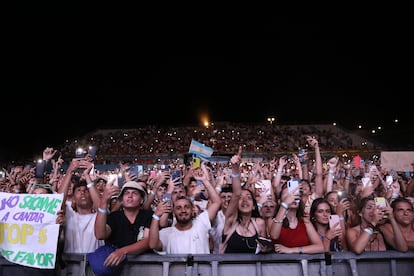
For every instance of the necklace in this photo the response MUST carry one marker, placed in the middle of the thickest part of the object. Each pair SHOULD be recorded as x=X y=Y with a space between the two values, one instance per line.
x=247 y=240
x=246 y=230
x=323 y=237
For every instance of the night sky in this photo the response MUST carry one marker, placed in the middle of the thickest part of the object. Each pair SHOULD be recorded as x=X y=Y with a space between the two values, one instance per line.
x=64 y=78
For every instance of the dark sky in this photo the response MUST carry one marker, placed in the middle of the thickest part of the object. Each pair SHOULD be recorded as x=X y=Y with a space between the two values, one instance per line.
x=65 y=77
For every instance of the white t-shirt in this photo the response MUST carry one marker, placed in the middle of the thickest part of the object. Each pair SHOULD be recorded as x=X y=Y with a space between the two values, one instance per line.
x=192 y=241
x=80 y=232
x=216 y=230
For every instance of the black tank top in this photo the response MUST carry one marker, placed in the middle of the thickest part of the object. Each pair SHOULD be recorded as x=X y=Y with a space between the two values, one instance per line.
x=240 y=244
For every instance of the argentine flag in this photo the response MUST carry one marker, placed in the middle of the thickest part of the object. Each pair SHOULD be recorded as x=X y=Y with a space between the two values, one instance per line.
x=199 y=149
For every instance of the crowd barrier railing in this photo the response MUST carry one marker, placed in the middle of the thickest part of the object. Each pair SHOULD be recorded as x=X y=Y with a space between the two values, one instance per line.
x=391 y=263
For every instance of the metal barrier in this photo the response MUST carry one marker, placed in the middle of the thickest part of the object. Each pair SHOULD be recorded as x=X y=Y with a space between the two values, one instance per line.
x=344 y=263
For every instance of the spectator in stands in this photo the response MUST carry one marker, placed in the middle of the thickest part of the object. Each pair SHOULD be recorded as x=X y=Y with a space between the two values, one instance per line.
x=267 y=213
x=333 y=239
x=291 y=232
x=340 y=204
x=403 y=214
x=217 y=226
x=80 y=213
x=126 y=229
x=189 y=235
x=368 y=235
x=243 y=225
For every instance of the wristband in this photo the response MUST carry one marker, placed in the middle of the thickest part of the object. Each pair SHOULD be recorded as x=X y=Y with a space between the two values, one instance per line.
x=154 y=216
x=300 y=249
x=235 y=175
x=284 y=205
x=341 y=218
x=279 y=170
x=395 y=195
x=368 y=231
x=218 y=189
x=152 y=192
x=331 y=171
x=103 y=211
x=90 y=184
x=277 y=220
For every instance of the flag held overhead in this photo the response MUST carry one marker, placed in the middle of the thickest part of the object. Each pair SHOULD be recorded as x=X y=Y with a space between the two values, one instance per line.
x=199 y=149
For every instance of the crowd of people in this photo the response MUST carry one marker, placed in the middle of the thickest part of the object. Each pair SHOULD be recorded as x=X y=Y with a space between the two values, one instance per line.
x=296 y=203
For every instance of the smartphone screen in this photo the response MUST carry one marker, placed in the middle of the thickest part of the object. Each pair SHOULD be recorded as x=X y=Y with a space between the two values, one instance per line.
x=342 y=195
x=80 y=153
x=333 y=219
x=389 y=180
x=92 y=152
x=380 y=202
x=365 y=181
x=176 y=174
x=167 y=197
x=292 y=185
x=40 y=169
x=113 y=177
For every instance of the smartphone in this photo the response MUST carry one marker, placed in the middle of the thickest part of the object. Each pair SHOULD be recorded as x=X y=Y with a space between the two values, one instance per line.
x=342 y=195
x=196 y=162
x=167 y=197
x=176 y=174
x=365 y=181
x=113 y=177
x=389 y=180
x=265 y=242
x=120 y=180
x=153 y=174
x=301 y=155
x=80 y=153
x=265 y=185
x=92 y=152
x=40 y=169
x=380 y=202
x=136 y=170
x=2 y=173
x=292 y=185
x=334 y=219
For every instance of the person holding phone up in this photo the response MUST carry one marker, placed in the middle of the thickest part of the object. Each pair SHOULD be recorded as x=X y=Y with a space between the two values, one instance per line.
x=330 y=227
x=290 y=231
x=190 y=233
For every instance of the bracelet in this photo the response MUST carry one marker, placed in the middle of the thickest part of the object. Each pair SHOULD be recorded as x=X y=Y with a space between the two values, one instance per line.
x=347 y=177
x=279 y=170
x=218 y=189
x=90 y=184
x=277 y=220
x=284 y=205
x=341 y=218
x=154 y=216
x=103 y=211
x=331 y=171
x=368 y=231
x=300 y=249
x=395 y=195
x=152 y=192
x=235 y=175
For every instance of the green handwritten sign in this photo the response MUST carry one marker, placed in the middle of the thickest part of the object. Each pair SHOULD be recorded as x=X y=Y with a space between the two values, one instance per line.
x=28 y=229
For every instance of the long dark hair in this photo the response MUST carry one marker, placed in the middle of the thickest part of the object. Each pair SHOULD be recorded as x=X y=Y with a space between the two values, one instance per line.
x=255 y=211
